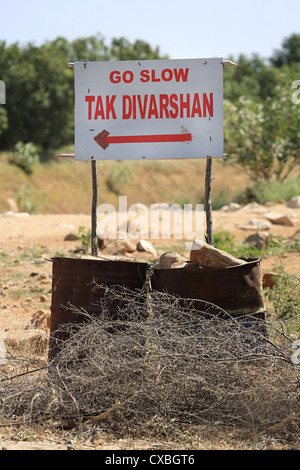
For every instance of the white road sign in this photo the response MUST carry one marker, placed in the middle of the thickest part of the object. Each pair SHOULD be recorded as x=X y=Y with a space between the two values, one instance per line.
x=152 y=109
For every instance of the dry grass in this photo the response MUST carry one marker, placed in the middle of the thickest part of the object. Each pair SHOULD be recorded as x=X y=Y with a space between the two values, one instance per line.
x=64 y=186
x=159 y=370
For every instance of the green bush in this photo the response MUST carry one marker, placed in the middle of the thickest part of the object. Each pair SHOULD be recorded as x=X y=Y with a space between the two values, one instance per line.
x=3 y=120
x=85 y=236
x=225 y=241
x=273 y=191
x=285 y=299
x=26 y=200
x=118 y=177
x=25 y=156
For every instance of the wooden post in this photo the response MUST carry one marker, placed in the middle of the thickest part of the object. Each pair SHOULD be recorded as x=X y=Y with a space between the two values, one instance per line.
x=208 y=209
x=94 y=244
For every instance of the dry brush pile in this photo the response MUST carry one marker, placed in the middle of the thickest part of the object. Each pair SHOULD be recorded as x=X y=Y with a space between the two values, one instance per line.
x=153 y=365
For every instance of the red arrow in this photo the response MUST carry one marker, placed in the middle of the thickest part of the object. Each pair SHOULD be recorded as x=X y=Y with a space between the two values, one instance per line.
x=104 y=140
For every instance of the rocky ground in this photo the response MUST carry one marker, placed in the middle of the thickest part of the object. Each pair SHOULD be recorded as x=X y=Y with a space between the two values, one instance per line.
x=28 y=242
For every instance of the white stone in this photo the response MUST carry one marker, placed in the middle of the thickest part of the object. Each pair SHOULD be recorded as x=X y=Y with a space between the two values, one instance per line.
x=12 y=205
x=208 y=256
x=144 y=245
x=294 y=203
x=259 y=224
x=278 y=218
x=16 y=214
x=258 y=240
x=233 y=206
x=167 y=260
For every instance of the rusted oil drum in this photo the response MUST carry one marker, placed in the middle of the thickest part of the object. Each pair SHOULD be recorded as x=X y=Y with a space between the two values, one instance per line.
x=73 y=283
x=236 y=289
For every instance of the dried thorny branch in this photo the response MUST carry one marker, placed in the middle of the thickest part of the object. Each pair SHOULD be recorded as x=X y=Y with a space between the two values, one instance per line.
x=151 y=366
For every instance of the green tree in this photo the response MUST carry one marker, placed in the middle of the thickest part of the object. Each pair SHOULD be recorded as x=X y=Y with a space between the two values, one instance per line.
x=264 y=136
x=252 y=78
x=92 y=48
x=122 y=49
x=3 y=119
x=40 y=86
x=261 y=122
x=39 y=94
x=289 y=53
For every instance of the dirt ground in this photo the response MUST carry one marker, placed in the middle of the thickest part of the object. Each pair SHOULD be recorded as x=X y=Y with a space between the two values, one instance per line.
x=27 y=244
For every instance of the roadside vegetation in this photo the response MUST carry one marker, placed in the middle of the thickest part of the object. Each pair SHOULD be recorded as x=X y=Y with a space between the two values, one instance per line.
x=261 y=132
x=64 y=186
x=216 y=382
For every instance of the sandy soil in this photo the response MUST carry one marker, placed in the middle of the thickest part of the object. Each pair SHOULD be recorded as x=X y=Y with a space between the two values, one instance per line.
x=28 y=242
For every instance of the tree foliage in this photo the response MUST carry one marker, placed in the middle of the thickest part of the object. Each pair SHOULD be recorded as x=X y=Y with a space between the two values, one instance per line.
x=3 y=119
x=25 y=156
x=264 y=135
x=290 y=52
x=261 y=119
x=40 y=86
x=38 y=94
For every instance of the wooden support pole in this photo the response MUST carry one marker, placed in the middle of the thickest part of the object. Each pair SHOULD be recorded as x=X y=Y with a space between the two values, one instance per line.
x=208 y=208
x=94 y=244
